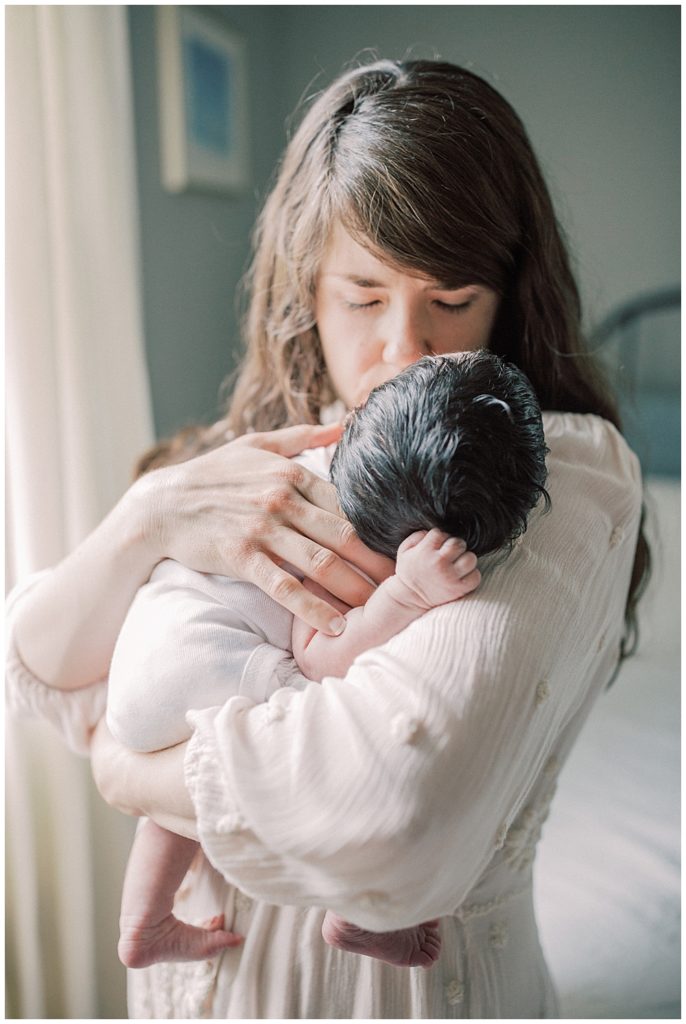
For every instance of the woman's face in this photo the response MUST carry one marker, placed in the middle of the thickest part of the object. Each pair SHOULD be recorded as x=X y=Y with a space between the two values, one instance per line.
x=374 y=320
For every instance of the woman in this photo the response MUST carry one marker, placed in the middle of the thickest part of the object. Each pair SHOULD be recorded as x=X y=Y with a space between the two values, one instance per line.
x=409 y=217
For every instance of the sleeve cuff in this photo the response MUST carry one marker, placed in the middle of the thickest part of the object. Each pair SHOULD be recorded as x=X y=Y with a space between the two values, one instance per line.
x=222 y=830
x=267 y=670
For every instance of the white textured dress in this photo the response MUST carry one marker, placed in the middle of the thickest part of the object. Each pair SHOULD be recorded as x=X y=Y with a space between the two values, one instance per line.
x=414 y=788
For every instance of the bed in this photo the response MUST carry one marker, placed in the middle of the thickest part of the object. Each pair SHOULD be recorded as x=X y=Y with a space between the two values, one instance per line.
x=608 y=871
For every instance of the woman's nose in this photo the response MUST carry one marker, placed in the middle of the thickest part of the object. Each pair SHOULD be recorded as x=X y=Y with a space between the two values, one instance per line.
x=405 y=338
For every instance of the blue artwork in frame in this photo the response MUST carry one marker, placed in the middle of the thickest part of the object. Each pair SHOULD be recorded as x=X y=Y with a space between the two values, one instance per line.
x=208 y=83
x=203 y=102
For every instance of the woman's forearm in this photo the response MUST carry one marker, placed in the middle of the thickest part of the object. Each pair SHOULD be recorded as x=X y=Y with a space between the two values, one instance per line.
x=144 y=785
x=67 y=625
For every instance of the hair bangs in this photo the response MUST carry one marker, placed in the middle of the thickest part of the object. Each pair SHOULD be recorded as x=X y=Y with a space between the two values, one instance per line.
x=392 y=194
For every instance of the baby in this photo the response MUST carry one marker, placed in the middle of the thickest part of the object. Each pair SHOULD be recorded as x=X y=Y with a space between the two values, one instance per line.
x=451 y=447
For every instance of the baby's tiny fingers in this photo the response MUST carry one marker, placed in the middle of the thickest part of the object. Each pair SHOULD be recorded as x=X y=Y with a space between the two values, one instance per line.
x=411 y=542
x=435 y=537
x=453 y=547
x=466 y=563
x=470 y=582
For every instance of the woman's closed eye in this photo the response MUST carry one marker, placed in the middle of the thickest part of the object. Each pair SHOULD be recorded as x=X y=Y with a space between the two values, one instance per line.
x=453 y=307
x=446 y=307
x=361 y=305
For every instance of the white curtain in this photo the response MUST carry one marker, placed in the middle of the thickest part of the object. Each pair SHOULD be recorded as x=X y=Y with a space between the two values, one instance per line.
x=78 y=412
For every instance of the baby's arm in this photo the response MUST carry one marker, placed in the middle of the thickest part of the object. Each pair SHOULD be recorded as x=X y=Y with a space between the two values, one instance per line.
x=431 y=569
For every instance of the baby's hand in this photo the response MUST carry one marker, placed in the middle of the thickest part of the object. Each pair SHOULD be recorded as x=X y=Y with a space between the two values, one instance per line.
x=436 y=567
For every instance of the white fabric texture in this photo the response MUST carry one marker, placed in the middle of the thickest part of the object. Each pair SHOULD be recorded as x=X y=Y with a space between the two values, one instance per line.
x=415 y=787
x=78 y=413
x=186 y=643
x=609 y=906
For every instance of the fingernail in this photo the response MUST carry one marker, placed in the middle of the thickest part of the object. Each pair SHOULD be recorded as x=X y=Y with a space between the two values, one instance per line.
x=337 y=625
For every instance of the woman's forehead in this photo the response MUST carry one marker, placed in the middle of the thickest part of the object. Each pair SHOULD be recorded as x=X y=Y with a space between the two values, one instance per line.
x=349 y=259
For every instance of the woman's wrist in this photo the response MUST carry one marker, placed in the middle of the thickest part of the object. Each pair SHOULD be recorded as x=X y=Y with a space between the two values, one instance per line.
x=145 y=518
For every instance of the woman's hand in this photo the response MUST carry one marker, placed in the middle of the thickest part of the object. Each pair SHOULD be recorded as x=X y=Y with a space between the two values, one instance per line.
x=245 y=510
x=143 y=785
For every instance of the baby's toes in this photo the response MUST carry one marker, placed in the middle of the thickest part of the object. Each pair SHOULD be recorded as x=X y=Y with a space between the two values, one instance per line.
x=431 y=946
x=191 y=943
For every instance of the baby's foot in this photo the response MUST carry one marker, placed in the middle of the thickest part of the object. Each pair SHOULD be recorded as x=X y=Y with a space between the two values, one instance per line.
x=143 y=944
x=408 y=947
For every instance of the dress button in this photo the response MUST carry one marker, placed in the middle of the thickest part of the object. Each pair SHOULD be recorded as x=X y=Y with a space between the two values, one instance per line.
x=616 y=537
x=542 y=692
x=273 y=713
x=230 y=823
x=372 y=900
x=243 y=902
x=498 y=935
x=404 y=728
x=454 y=992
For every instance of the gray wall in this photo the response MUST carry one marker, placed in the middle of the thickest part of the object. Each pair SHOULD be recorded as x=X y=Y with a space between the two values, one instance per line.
x=195 y=246
x=597 y=87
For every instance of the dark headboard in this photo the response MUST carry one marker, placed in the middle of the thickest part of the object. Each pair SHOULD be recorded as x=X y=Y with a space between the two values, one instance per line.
x=639 y=343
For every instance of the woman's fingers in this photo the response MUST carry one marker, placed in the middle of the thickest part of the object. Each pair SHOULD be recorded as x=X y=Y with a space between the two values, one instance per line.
x=284 y=588
x=291 y=441
x=245 y=510
x=323 y=566
x=318 y=492
x=319 y=591
x=331 y=532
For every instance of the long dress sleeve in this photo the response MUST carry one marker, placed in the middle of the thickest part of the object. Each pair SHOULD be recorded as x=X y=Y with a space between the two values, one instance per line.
x=383 y=795
x=74 y=713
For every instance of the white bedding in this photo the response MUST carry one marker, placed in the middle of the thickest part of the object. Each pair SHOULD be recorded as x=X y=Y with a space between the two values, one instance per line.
x=608 y=868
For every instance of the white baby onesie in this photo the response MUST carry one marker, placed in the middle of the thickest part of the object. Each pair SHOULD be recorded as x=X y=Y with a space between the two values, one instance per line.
x=185 y=644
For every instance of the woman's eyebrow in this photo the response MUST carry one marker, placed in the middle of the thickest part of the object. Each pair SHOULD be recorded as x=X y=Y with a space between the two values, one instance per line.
x=361 y=282
x=452 y=286
x=369 y=282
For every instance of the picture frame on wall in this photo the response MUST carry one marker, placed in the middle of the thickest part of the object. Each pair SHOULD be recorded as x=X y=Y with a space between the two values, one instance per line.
x=203 y=102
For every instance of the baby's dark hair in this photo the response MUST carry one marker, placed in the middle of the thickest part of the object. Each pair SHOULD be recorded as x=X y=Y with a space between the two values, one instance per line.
x=454 y=442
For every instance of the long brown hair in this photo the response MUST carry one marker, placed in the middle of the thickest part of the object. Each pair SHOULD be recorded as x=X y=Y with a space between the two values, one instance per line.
x=428 y=166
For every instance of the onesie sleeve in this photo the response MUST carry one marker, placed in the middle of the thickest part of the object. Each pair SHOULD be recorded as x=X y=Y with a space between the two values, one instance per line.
x=187 y=642
x=383 y=795
x=74 y=713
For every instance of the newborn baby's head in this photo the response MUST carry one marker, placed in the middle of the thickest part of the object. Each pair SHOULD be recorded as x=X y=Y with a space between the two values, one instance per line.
x=454 y=442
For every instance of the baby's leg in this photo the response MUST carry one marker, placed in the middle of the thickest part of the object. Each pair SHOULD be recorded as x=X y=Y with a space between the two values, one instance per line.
x=408 y=947
x=149 y=932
